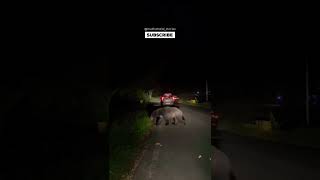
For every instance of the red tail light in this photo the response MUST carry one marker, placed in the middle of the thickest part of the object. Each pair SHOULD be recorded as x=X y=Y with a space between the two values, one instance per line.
x=161 y=98
x=214 y=115
x=175 y=98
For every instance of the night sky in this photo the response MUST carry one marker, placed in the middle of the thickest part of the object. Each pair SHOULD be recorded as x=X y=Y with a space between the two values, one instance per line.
x=245 y=51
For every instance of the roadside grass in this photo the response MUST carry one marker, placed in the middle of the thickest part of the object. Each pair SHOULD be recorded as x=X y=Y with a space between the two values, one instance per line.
x=155 y=99
x=205 y=105
x=126 y=140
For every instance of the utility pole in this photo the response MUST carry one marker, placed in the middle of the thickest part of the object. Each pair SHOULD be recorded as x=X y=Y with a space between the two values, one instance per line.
x=307 y=92
x=207 y=93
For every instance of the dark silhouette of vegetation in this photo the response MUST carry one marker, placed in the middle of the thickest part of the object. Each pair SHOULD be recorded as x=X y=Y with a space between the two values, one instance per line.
x=51 y=113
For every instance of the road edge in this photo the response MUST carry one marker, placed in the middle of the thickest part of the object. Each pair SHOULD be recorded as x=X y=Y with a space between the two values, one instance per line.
x=144 y=147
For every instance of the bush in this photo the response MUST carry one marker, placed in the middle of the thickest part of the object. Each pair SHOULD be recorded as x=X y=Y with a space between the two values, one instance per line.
x=142 y=95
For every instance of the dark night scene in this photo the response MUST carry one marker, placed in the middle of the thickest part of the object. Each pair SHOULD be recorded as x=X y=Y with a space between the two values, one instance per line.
x=199 y=93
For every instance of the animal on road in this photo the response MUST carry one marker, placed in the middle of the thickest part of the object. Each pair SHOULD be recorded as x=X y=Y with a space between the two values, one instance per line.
x=171 y=115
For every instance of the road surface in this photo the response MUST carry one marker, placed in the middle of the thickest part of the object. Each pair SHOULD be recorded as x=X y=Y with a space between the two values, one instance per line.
x=250 y=158
x=179 y=152
x=254 y=159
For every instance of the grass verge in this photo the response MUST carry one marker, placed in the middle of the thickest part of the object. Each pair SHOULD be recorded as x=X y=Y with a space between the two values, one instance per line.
x=205 y=105
x=126 y=141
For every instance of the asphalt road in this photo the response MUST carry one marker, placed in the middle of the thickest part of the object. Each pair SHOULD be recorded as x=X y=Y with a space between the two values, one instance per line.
x=250 y=158
x=179 y=152
x=253 y=159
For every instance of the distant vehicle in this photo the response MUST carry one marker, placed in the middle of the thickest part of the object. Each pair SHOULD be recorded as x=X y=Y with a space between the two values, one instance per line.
x=167 y=99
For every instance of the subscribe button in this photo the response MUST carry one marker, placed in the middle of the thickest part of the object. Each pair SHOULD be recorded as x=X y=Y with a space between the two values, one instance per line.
x=154 y=34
